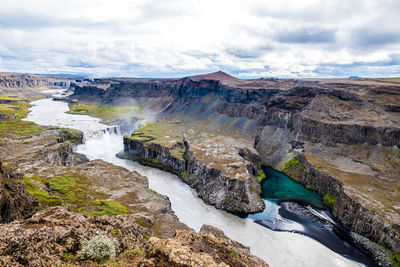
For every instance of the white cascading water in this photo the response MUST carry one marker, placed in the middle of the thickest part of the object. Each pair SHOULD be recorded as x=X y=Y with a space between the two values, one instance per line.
x=276 y=248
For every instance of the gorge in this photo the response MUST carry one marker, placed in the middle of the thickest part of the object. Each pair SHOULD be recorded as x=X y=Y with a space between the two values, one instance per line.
x=217 y=133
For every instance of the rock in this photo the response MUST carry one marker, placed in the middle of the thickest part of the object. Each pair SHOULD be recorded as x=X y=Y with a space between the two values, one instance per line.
x=53 y=237
x=220 y=168
x=192 y=249
x=15 y=202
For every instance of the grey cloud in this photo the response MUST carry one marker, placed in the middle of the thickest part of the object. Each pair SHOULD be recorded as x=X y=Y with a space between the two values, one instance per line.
x=370 y=37
x=307 y=35
x=248 y=53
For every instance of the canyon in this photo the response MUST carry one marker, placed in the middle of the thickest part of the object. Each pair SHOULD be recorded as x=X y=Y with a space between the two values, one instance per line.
x=339 y=138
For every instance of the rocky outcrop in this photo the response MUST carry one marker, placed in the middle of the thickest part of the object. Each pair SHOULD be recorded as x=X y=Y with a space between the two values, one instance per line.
x=53 y=237
x=355 y=216
x=223 y=176
x=204 y=249
x=15 y=201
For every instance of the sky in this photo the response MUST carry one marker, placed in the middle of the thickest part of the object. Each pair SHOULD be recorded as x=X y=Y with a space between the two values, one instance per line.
x=175 y=38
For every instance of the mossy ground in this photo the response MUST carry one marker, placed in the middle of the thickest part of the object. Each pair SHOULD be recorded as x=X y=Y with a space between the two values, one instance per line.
x=329 y=200
x=108 y=113
x=15 y=109
x=168 y=135
x=292 y=162
x=261 y=175
x=395 y=258
x=72 y=135
x=73 y=191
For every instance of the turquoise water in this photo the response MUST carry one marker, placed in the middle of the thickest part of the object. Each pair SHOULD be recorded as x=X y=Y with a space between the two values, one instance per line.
x=278 y=187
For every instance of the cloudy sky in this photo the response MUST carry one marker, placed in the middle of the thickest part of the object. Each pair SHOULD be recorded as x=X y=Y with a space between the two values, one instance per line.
x=172 y=38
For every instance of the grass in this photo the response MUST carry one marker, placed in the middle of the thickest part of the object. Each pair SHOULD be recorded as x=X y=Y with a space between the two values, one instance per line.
x=42 y=196
x=108 y=113
x=12 y=112
x=12 y=98
x=329 y=200
x=62 y=183
x=74 y=192
x=290 y=163
x=105 y=207
x=19 y=127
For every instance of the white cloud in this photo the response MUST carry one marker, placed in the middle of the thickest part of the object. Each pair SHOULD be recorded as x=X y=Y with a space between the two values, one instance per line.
x=251 y=38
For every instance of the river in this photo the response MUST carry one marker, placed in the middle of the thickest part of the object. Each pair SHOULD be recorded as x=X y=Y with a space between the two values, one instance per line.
x=276 y=248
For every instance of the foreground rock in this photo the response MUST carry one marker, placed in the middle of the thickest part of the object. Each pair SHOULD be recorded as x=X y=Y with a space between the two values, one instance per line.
x=53 y=237
x=220 y=168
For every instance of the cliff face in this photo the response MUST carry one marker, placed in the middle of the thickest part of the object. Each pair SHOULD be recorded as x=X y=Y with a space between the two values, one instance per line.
x=15 y=201
x=348 y=129
x=220 y=175
x=32 y=84
x=319 y=113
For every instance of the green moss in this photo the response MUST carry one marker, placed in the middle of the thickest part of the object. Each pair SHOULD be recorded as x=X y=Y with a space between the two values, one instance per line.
x=19 y=127
x=72 y=135
x=108 y=113
x=185 y=175
x=68 y=256
x=42 y=195
x=261 y=175
x=62 y=183
x=116 y=232
x=135 y=251
x=395 y=259
x=329 y=200
x=12 y=98
x=290 y=163
x=153 y=191
x=309 y=187
x=234 y=254
x=146 y=236
x=105 y=207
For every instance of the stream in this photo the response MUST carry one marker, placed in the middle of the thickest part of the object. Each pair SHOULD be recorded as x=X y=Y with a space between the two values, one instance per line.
x=277 y=248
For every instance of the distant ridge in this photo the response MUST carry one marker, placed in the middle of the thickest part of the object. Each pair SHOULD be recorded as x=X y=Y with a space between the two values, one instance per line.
x=218 y=76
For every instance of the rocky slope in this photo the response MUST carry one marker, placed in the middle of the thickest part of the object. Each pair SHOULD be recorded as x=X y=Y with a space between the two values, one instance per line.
x=347 y=133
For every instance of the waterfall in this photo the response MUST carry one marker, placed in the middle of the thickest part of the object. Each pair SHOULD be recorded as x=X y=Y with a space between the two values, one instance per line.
x=99 y=133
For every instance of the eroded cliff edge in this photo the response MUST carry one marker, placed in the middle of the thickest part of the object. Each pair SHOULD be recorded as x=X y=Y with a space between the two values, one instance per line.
x=342 y=135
